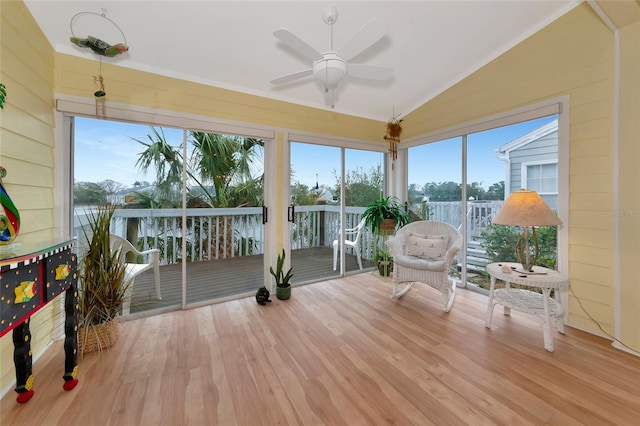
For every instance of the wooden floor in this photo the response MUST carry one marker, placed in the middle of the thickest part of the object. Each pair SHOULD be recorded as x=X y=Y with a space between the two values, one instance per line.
x=339 y=352
x=218 y=279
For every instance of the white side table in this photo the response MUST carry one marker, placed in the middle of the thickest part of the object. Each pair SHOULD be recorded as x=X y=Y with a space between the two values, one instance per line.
x=540 y=305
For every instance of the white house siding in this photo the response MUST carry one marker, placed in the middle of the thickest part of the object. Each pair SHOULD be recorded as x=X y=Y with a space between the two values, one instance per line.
x=544 y=149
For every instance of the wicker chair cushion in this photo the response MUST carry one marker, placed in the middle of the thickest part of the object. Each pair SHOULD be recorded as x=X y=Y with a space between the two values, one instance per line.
x=429 y=247
x=445 y=238
x=415 y=262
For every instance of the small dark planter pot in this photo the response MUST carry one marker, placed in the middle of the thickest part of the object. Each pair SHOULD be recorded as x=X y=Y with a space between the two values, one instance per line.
x=385 y=268
x=283 y=293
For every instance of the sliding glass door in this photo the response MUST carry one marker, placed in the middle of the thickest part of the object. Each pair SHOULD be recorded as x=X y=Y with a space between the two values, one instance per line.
x=194 y=196
x=314 y=210
x=327 y=203
x=468 y=190
x=134 y=167
x=224 y=228
x=363 y=183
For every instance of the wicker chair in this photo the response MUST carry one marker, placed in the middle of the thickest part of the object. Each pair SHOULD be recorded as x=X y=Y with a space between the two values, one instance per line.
x=428 y=265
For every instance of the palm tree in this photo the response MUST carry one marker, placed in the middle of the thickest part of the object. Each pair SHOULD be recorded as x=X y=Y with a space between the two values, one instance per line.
x=165 y=158
x=247 y=187
x=227 y=163
x=224 y=161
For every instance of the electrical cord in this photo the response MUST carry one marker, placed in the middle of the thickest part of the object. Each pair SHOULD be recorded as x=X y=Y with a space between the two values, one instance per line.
x=597 y=323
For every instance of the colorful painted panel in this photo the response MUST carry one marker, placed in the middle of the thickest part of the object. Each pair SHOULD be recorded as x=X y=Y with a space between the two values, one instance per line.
x=20 y=294
x=61 y=272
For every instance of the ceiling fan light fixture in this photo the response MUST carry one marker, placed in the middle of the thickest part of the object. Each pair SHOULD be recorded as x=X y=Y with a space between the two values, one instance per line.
x=329 y=70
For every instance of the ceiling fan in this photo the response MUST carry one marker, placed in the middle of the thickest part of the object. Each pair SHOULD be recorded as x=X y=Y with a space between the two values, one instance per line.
x=331 y=67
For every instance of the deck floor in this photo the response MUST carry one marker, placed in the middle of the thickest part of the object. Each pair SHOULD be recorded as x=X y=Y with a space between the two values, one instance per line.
x=217 y=279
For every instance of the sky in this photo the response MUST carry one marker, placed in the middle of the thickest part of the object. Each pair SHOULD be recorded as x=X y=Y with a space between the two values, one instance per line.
x=107 y=150
x=309 y=160
x=441 y=161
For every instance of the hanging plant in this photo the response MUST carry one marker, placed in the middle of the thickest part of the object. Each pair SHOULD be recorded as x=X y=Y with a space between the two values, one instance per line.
x=3 y=94
x=394 y=130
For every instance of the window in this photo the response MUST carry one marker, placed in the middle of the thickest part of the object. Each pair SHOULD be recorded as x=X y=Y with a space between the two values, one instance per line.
x=543 y=178
x=489 y=164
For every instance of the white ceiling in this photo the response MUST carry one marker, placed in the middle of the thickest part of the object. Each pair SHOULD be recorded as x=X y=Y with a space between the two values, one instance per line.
x=230 y=44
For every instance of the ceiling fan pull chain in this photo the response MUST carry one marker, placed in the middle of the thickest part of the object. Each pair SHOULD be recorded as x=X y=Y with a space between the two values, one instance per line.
x=326 y=76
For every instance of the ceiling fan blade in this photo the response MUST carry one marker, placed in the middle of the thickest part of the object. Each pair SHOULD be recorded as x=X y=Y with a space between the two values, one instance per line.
x=364 y=38
x=291 y=77
x=297 y=44
x=372 y=72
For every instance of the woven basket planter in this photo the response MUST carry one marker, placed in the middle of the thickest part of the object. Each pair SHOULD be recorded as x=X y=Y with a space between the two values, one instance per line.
x=387 y=227
x=98 y=337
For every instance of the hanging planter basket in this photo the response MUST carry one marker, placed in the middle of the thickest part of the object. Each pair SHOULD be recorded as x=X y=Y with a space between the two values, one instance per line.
x=387 y=226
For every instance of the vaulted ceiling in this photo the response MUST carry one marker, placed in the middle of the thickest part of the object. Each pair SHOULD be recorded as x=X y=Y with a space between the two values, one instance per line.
x=431 y=45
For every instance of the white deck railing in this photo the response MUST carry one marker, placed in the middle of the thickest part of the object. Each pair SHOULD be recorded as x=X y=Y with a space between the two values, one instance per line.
x=479 y=214
x=221 y=233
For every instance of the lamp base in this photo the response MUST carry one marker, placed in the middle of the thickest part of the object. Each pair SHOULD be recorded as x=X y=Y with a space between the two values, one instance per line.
x=523 y=251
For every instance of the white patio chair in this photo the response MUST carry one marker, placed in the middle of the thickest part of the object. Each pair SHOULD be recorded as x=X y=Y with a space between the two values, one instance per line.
x=152 y=259
x=423 y=251
x=354 y=243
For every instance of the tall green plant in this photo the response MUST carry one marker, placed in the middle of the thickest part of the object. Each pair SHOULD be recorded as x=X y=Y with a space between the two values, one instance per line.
x=282 y=279
x=102 y=287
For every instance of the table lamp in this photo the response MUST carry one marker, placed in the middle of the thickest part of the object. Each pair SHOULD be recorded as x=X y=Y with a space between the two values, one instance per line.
x=526 y=209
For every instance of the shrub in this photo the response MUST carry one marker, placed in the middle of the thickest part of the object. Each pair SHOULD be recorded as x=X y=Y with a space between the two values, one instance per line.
x=499 y=242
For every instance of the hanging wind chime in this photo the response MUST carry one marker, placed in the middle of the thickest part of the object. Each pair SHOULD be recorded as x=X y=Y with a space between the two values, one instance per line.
x=100 y=48
x=100 y=93
x=394 y=130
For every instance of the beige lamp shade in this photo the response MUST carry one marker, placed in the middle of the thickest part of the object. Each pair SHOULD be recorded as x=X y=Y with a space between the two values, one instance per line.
x=526 y=208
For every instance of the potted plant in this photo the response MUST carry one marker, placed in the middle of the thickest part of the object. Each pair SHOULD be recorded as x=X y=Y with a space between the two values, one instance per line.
x=385 y=215
x=102 y=289
x=283 y=287
x=384 y=261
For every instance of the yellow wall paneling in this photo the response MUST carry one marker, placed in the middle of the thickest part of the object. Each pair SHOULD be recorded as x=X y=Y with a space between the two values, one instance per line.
x=573 y=56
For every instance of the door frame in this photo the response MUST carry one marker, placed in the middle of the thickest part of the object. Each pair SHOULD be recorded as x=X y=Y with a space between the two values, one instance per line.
x=68 y=107
x=343 y=144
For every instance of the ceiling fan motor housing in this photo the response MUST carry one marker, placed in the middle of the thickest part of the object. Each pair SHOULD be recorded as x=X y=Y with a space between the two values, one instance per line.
x=329 y=70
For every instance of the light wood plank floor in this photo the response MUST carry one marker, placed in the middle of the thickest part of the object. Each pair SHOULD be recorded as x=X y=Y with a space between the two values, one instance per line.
x=339 y=352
